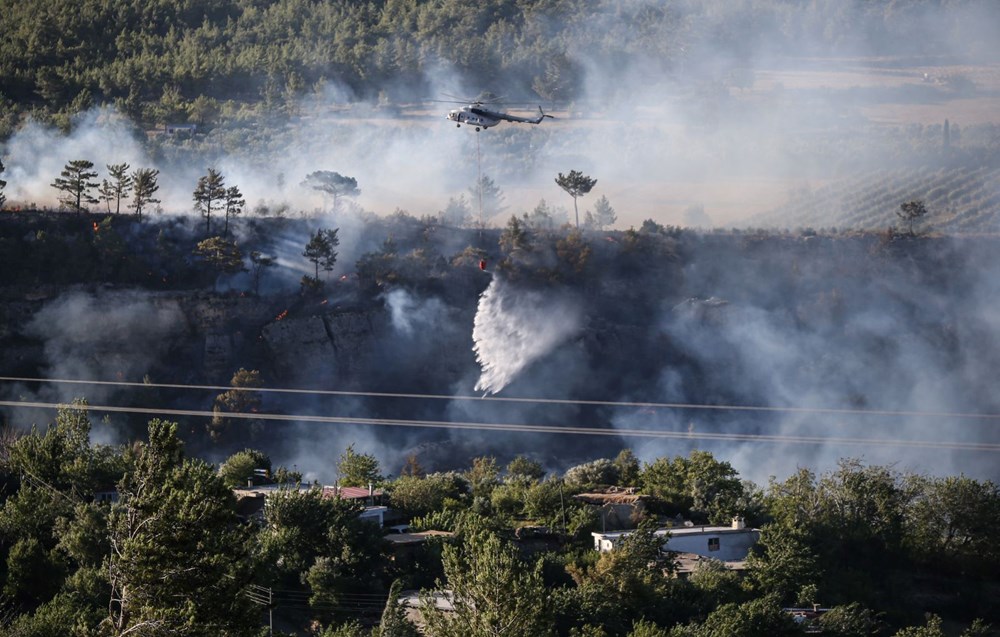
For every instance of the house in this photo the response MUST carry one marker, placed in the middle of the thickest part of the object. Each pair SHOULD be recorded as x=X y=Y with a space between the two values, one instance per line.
x=414 y=537
x=808 y=619
x=443 y=600
x=686 y=564
x=617 y=508
x=375 y=515
x=250 y=500
x=369 y=495
x=180 y=129
x=409 y=547
x=106 y=496
x=723 y=543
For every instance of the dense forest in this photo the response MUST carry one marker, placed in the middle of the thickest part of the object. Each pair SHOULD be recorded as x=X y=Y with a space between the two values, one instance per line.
x=178 y=61
x=169 y=555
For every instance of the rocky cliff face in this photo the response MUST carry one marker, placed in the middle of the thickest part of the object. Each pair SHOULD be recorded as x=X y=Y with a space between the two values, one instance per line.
x=100 y=333
x=111 y=333
x=329 y=346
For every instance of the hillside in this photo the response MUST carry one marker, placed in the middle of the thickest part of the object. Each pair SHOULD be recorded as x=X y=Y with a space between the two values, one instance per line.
x=660 y=315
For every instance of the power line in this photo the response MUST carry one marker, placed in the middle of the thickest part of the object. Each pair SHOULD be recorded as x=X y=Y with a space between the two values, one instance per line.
x=526 y=428
x=837 y=411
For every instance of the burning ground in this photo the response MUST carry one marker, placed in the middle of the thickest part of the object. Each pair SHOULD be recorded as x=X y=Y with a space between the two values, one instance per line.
x=867 y=345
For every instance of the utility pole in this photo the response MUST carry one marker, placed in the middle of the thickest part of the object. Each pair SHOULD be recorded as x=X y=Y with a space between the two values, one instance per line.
x=562 y=507
x=256 y=594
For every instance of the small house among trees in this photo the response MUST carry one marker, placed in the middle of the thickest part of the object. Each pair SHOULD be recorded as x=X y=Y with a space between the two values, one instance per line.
x=724 y=543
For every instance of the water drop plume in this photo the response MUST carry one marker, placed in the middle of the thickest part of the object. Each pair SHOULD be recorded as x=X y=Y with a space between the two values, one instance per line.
x=515 y=327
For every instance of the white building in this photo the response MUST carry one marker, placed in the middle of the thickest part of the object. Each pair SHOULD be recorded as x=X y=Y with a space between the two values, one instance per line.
x=724 y=543
x=374 y=514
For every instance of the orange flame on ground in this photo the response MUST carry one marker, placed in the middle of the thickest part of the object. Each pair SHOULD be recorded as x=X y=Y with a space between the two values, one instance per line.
x=281 y=316
x=95 y=226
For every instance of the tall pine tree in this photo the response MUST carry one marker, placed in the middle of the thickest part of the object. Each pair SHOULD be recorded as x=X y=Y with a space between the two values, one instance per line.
x=178 y=553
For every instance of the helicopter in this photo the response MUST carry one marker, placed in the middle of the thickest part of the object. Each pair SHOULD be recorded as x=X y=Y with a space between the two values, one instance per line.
x=476 y=114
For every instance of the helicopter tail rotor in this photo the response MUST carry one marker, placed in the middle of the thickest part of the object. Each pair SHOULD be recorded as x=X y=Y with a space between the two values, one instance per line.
x=541 y=115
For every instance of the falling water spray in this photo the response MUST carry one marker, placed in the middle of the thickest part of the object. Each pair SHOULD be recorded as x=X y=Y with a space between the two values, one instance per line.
x=515 y=327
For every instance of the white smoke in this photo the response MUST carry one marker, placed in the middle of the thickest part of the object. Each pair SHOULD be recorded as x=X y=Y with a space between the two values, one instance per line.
x=36 y=154
x=411 y=313
x=515 y=327
x=99 y=336
x=108 y=335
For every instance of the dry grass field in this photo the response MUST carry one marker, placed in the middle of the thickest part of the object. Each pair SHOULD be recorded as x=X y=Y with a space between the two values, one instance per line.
x=801 y=126
x=854 y=97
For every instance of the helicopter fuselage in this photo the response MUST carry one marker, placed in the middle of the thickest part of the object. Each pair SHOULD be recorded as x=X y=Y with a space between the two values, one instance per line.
x=473 y=116
x=476 y=115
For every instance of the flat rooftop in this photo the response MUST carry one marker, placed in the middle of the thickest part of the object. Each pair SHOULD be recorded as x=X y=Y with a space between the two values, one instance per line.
x=680 y=531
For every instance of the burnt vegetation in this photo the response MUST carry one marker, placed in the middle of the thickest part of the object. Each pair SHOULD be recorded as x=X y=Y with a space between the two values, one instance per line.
x=654 y=298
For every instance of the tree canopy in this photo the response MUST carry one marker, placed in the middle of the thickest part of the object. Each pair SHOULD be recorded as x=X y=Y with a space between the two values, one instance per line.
x=178 y=557
x=576 y=185
x=174 y=62
x=74 y=182
x=332 y=184
x=170 y=553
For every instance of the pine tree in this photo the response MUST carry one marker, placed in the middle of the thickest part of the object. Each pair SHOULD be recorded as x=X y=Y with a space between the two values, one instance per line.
x=211 y=189
x=911 y=211
x=120 y=185
x=241 y=399
x=488 y=197
x=357 y=469
x=576 y=184
x=74 y=180
x=106 y=192
x=333 y=184
x=320 y=250
x=179 y=559
x=603 y=216
x=234 y=206
x=144 y=186
x=222 y=254
x=492 y=591
x=258 y=263
x=3 y=184
x=394 y=622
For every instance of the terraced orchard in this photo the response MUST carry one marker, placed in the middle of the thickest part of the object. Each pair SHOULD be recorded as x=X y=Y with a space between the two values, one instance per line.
x=959 y=200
